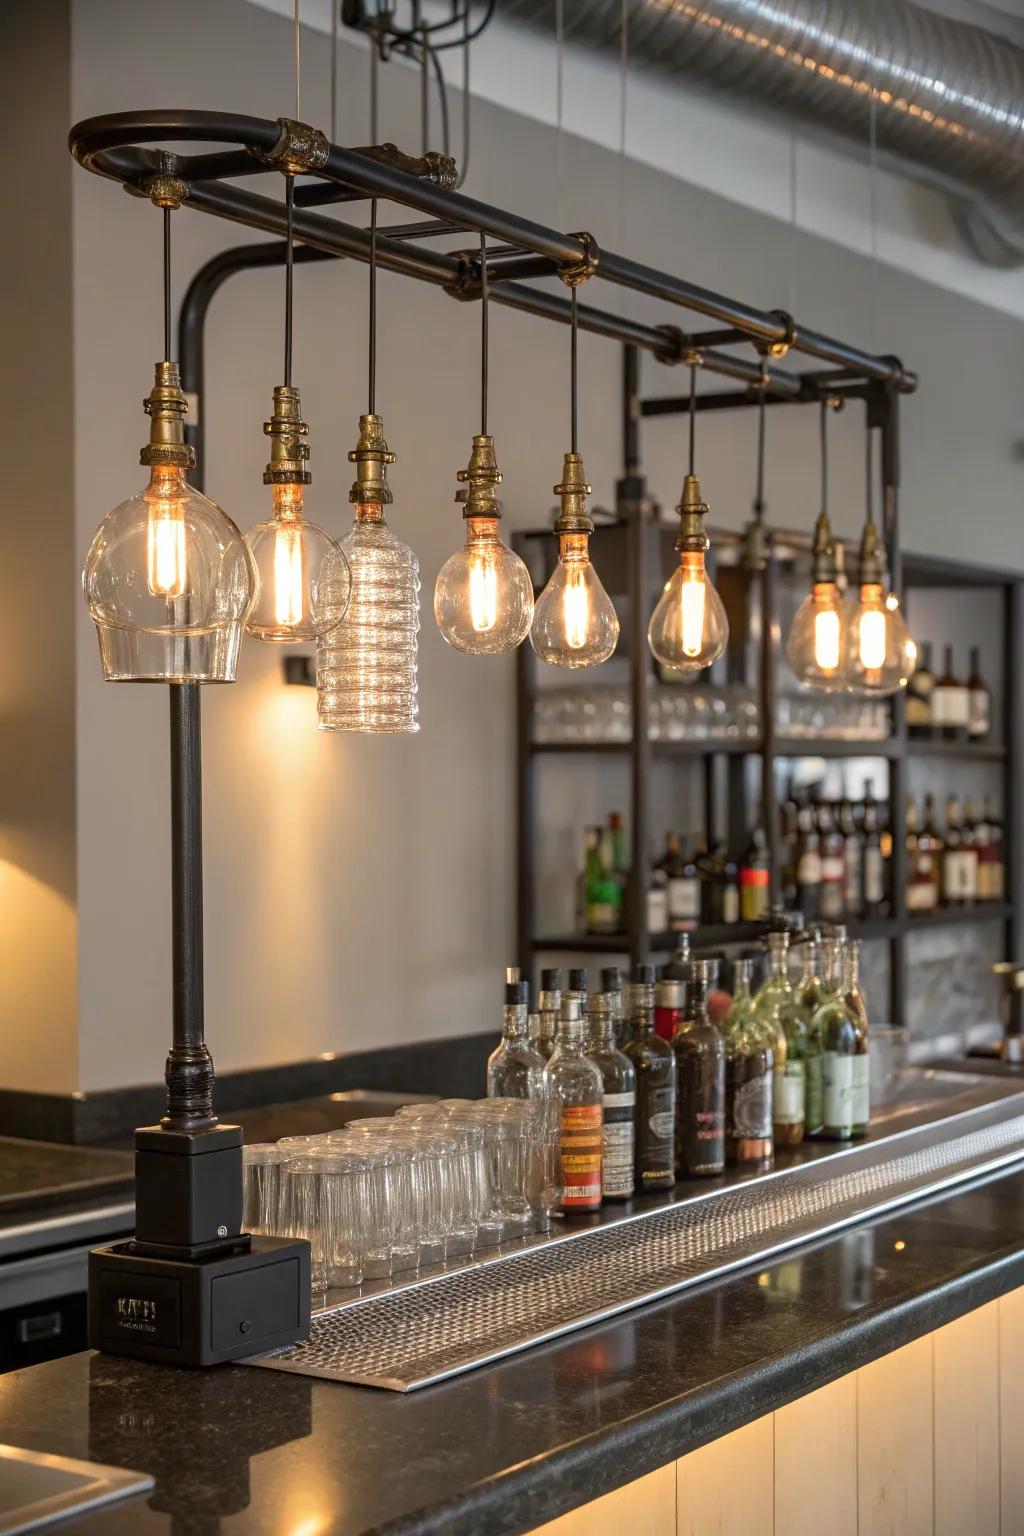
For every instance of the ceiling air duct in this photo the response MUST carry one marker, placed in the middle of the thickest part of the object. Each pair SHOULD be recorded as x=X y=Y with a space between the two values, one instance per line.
x=949 y=95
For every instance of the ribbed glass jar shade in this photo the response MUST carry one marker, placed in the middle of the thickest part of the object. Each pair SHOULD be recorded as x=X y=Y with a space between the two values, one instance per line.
x=168 y=581
x=366 y=666
x=292 y=555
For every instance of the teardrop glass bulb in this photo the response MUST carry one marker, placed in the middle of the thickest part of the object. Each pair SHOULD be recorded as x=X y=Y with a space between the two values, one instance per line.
x=574 y=622
x=688 y=629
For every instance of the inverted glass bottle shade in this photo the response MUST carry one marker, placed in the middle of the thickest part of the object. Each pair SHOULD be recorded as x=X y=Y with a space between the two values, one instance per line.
x=366 y=664
x=291 y=555
x=168 y=581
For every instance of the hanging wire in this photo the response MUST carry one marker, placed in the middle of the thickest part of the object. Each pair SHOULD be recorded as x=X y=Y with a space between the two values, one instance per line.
x=424 y=94
x=873 y=208
x=374 y=88
x=869 y=473
x=759 y=488
x=573 y=366
x=167 y=285
x=559 y=103
x=693 y=416
x=623 y=78
x=484 y=337
x=298 y=94
x=335 y=12
x=465 y=98
x=289 y=274
x=823 y=440
x=373 y=309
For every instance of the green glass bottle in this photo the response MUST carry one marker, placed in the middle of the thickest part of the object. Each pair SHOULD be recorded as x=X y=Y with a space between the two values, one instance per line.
x=749 y=1063
x=839 y=1028
x=802 y=1040
x=771 y=1006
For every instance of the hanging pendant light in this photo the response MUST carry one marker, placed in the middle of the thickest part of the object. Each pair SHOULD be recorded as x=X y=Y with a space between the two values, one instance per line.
x=818 y=637
x=168 y=579
x=290 y=553
x=689 y=629
x=483 y=598
x=574 y=622
x=880 y=654
x=366 y=663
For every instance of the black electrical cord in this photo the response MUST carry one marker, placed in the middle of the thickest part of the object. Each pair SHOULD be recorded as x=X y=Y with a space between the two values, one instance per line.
x=484 y=337
x=373 y=309
x=823 y=437
x=870 y=476
x=289 y=274
x=167 y=285
x=693 y=416
x=573 y=366
x=759 y=491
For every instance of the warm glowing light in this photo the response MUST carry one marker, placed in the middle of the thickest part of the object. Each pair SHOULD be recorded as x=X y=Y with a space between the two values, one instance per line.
x=574 y=624
x=483 y=591
x=899 y=1245
x=692 y=593
x=166 y=562
x=826 y=639
x=288 y=583
x=688 y=628
x=871 y=639
x=575 y=606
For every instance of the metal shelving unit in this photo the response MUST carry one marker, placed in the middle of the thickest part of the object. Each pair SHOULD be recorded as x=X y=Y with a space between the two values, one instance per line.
x=634 y=553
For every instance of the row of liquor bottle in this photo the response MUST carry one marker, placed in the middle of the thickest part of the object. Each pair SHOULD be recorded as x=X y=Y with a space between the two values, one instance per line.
x=947 y=707
x=956 y=867
x=668 y=1078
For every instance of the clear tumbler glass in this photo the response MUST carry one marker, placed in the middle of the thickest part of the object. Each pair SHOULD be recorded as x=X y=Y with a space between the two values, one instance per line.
x=261 y=1173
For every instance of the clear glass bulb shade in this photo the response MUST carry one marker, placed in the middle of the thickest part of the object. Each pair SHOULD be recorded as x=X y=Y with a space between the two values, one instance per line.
x=574 y=622
x=366 y=664
x=688 y=628
x=169 y=582
x=880 y=654
x=483 y=598
x=291 y=554
x=816 y=647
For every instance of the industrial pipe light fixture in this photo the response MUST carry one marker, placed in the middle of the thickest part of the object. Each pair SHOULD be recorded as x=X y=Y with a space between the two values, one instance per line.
x=483 y=597
x=291 y=553
x=689 y=629
x=168 y=579
x=880 y=654
x=818 y=639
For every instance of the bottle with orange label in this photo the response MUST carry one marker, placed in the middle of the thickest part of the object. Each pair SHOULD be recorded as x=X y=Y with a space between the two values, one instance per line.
x=577 y=1091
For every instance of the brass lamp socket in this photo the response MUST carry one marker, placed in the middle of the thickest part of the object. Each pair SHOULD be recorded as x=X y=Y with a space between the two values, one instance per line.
x=692 y=511
x=757 y=547
x=165 y=405
x=481 y=479
x=872 y=557
x=573 y=491
x=287 y=432
x=371 y=456
x=824 y=567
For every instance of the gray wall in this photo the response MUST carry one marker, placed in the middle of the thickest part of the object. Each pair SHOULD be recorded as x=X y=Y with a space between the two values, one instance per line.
x=361 y=891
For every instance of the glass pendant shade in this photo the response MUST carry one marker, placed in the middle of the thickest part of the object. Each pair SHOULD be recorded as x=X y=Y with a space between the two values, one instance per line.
x=816 y=648
x=688 y=628
x=168 y=581
x=291 y=556
x=483 y=598
x=366 y=663
x=574 y=622
x=880 y=652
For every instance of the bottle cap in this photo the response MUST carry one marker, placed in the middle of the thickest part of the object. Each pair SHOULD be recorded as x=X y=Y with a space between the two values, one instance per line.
x=611 y=978
x=516 y=992
x=551 y=979
x=643 y=975
x=578 y=979
x=513 y=973
x=670 y=993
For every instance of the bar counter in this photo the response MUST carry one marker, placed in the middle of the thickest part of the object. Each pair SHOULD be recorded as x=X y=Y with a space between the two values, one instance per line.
x=622 y=1406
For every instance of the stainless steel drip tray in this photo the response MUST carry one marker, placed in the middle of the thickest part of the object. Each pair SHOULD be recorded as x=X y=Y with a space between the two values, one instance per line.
x=949 y=1128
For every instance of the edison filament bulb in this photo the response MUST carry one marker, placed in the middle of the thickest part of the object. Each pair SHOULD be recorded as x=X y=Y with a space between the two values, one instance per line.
x=574 y=622
x=483 y=597
x=816 y=648
x=880 y=652
x=291 y=553
x=168 y=578
x=689 y=629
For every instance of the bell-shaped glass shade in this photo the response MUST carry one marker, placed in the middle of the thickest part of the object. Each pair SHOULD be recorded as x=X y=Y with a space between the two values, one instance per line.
x=880 y=655
x=816 y=648
x=688 y=628
x=366 y=664
x=291 y=554
x=168 y=581
x=574 y=622
x=483 y=598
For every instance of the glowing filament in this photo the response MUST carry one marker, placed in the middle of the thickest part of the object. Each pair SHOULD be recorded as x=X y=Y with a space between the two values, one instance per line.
x=826 y=639
x=165 y=550
x=483 y=592
x=692 y=595
x=288 y=584
x=576 y=605
x=871 y=636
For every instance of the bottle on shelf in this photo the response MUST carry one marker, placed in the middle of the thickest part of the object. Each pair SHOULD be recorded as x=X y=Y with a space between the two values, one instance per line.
x=930 y=843
x=729 y=889
x=837 y=1024
x=802 y=1038
x=853 y=860
x=919 y=695
x=603 y=891
x=657 y=901
x=655 y=1067
x=612 y=984
x=618 y=1078
x=619 y=859
x=997 y=873
x=755 y=879
x=861 y=1071
x=749 y=1065
x=807 y=880
x=549 y=1005
x=678 y=967
x=515 y=1070
x=699 y=1052
x=979 y=701
x=578 y=1098
x=924 y=854
x=771 y=1006
x=951 y=892
x=669 y=1002
x=683 y=887
x=950 y=703
x=988 y=844
x=588 y=870
x=833 y=867
x=873 y=863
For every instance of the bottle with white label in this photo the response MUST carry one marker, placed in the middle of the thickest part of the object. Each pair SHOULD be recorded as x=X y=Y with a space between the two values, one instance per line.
x=861 y=1074
x=979 y=700
x=837 y=1025
x=618 y=1131
x=749 y=1068
x=950 y=703
x=789 y=1074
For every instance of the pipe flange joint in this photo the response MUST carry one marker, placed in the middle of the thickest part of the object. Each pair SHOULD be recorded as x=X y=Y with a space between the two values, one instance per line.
x=299 y=147
x=575 y=273
x=466 y=284
x=676 y=342
x=164 y=190
x=786 y=342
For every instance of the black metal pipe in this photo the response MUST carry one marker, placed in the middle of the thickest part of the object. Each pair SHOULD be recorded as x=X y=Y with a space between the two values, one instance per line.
x=630 y=414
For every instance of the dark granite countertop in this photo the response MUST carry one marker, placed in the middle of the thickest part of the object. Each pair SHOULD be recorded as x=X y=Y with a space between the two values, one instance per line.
x=507 y=1447
x=35 y=1174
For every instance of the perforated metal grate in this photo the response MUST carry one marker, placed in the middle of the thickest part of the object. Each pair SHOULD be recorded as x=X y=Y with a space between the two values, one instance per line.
x=450 y=1323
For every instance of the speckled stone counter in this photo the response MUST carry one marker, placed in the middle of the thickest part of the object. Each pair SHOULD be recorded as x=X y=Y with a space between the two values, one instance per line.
x=511 y=1445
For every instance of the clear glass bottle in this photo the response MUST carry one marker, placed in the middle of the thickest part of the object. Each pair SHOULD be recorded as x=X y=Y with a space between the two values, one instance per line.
x=515 y=1070
x=861 y=1072
x=699 y=1052
x=749 y=1064
x=837 y=1024
x=549 y=1004
x=771 y=1006
x=612 y=983
x=802 y=1039
x=618 y=1077
x=655 y=1067
x=577 y=1096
